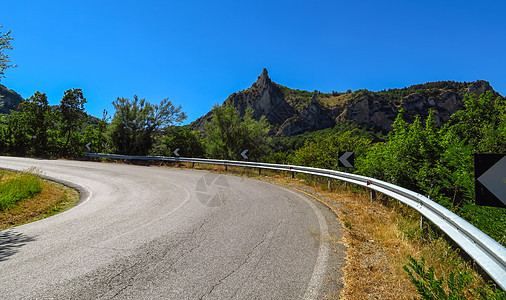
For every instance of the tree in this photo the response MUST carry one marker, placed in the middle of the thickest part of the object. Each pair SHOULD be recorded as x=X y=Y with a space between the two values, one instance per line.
x=38 y=119
x=409 y=157
x=16 y=135
x=27 y=129
x=482 y=123
x=96 y=135
x=135 y=123
x=5 y=43
x=227 y=134
x=71 y=117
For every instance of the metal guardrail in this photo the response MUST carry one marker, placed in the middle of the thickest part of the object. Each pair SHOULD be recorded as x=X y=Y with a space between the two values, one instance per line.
x=484 y=250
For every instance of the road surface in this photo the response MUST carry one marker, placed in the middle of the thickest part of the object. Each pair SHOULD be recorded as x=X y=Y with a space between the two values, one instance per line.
x=164 y=233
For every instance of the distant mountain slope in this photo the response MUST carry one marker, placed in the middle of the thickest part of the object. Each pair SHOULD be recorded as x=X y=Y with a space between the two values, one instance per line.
x=9 y=100
x=292 y=112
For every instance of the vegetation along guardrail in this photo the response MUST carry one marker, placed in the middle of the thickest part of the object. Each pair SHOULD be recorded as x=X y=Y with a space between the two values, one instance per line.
x=484 y=250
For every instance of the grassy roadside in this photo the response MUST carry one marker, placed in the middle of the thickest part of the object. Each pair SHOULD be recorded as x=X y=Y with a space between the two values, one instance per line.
x=380 y=237
x=51 y=199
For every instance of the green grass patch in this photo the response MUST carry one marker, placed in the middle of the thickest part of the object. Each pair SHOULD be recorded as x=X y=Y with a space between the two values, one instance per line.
x=18 y=187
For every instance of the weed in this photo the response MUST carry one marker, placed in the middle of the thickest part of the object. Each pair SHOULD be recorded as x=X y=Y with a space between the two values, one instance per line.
x=452 y=286
x=348 y=224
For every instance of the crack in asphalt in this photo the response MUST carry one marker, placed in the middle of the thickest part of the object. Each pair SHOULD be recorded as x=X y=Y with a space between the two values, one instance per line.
x=130 y=280
x=184 y=243
x=245 y=261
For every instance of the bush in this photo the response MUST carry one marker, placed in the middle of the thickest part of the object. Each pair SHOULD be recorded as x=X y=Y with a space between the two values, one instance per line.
x=323 y=151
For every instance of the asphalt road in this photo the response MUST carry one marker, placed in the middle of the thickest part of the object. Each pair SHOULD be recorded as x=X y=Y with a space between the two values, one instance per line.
x=164 y=233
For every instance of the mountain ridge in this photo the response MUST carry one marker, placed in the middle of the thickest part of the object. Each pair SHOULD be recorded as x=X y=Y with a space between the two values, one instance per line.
x=9 y=100
x=291 y=112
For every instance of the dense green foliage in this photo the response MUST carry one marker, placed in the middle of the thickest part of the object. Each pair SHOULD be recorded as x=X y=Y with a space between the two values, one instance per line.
x=183 y=138
x=17 y=188
x=227 y=134
x=41 y=130
x=323 y=151
x=289 y=144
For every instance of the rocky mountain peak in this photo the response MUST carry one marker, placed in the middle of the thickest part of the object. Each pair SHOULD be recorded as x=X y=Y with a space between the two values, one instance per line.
x=263 y=80
x=479 y=87
x=314 y=98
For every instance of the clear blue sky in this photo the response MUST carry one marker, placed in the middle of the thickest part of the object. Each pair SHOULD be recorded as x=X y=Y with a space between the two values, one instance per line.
x=197 y=53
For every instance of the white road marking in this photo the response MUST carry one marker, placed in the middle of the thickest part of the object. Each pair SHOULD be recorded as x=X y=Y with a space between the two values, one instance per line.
x=316 y=281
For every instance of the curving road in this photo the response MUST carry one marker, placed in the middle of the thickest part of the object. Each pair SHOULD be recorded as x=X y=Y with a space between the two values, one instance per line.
x=163 y=233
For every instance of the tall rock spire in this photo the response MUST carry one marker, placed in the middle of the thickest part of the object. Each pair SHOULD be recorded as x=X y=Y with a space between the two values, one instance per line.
x=263 y=80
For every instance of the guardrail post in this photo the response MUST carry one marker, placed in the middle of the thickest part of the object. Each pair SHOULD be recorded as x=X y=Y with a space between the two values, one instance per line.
x=372 y=193
x=259 y=171
x=193 y=165
x=329 y=186
x=421 y=218
x=226 y=167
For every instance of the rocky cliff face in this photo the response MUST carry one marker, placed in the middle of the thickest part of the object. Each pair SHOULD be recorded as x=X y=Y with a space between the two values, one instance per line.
x=375 y=111
x=291 y=112
x=312 y=117
x=9 y=100
x=266 y=99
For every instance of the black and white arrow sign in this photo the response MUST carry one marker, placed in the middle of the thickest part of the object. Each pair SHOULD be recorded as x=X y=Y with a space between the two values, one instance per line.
x=490 y=179
x=88 y=146
x=346 y=159
x=176 y=152
x=243 y=154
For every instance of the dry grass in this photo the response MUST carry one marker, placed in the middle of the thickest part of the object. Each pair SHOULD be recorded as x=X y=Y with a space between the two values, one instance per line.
x=53 y=199
x=376 y=251
x=380 y=236
x=334 y=101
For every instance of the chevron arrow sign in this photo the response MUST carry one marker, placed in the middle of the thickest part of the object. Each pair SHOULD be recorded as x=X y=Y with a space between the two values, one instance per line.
x=346 y=159
x=490 y=179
